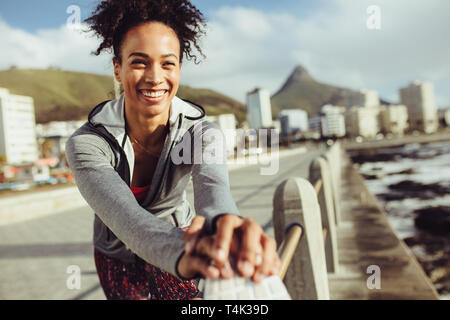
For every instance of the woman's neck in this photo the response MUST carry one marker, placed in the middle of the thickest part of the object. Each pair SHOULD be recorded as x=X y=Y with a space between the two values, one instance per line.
x=149 y=131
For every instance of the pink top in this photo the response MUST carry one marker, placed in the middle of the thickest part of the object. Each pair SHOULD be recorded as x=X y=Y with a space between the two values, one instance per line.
x=140 y=192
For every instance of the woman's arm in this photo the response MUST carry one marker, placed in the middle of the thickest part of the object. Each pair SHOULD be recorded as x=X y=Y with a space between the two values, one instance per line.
x=151 y=238
x=212 y=196
x=254 y=252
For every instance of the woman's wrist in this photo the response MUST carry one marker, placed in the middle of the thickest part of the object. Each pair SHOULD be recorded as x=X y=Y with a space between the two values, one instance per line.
x=177 y=268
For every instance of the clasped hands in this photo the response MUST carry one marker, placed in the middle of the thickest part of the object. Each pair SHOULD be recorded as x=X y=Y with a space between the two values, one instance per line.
x=239 y=247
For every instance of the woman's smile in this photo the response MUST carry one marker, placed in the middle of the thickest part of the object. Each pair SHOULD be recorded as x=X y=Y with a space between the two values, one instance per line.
x=153 y=96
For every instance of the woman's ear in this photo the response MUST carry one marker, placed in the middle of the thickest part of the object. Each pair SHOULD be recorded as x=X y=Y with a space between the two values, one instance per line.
x=116 y=69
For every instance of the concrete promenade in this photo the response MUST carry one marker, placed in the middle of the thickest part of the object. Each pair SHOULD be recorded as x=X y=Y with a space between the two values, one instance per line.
x=35 y=254
x=366 y=238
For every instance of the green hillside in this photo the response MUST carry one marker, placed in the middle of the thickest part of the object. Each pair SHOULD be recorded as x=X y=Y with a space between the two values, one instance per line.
x=214 y=103
x=65 y=95
x=301 y=91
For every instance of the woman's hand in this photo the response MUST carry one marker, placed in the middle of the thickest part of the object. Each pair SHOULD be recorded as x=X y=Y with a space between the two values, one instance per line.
x=243 y=239
x=192 y=265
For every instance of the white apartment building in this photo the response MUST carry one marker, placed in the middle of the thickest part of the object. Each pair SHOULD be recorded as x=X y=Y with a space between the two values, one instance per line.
x=293 y=120
x=227 y=123
x=418 y=97
x=17 y=128
x=364 y=98
x=58 y=128
x=58 y=132
x=259 y=110
x=314 y=123
x=394 y=119
x=362 y=122
x=333 y=121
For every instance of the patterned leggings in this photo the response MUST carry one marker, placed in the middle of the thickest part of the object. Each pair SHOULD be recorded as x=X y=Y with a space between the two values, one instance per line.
x=140 y=281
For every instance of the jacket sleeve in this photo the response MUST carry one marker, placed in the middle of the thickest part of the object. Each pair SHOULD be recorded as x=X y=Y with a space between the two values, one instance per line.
x=212 y=195
x=154 y=240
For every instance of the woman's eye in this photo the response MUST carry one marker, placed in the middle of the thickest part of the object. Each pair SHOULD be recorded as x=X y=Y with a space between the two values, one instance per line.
x=168 y=64
x=138 y=62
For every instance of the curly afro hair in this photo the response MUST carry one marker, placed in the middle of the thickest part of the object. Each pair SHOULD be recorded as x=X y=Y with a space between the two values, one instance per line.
x=112 y=19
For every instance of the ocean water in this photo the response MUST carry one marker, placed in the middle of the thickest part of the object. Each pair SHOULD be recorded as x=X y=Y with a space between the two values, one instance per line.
x=427 y=166
x=406 y=179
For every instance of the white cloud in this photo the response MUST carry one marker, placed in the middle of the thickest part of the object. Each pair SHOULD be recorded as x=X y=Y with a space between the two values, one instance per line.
x=334 y=44
x=248 y=47
x=69 y=49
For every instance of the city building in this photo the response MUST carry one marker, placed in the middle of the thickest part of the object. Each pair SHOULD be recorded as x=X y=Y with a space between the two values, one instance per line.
x=394 y=119
x=418 y=97
x=227 y=123
x=18 y=143
x=259 y=110
x=292 y=121
x=332 y=121
x=52 y=137
x=362 y=122
x=314 y=123
x=364 y=98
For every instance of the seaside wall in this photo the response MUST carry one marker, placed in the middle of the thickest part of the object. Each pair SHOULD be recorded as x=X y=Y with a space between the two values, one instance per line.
x=28 y=206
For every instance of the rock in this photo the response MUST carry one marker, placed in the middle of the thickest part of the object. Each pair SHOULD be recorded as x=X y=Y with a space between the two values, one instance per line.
x=413 y=189
x=435 y=220
x=407 y=171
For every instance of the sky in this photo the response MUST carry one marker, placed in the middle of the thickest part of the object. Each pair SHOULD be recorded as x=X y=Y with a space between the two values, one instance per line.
x=257 y=43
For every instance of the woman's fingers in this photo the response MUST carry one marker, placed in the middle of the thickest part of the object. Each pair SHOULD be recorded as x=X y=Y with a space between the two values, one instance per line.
x=238 y=244
x=205 y=246
x=192 y=233
x=191 y=266
x=269 y=260
x=251 y=238
x=226 y=226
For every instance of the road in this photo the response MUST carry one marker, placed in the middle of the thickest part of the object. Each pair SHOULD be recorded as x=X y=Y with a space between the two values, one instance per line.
x=35 y=255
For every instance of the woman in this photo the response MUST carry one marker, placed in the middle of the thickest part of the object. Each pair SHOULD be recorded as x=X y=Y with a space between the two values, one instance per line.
x=149 y=243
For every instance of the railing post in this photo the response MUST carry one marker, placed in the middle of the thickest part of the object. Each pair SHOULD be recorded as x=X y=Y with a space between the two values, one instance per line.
x=319 y=171
x=295 y=201
x=334 y=163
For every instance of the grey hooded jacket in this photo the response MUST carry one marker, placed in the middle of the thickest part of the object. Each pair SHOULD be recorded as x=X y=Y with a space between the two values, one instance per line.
x=101 y=156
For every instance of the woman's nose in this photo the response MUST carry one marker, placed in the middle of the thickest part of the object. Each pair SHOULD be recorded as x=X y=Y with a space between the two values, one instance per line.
x=153 y=75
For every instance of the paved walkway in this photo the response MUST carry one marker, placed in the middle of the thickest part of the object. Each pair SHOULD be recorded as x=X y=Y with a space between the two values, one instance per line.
x=35 y=255
x=366 y=238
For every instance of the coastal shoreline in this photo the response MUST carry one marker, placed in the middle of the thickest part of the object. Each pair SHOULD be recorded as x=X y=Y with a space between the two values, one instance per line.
x=443 y=135
x=415 y=200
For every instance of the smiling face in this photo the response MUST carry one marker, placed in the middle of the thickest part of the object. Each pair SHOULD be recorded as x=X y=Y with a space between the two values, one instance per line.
x=149 y=69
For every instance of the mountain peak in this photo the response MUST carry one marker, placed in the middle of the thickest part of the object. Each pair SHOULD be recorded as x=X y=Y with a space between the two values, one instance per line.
x=300 y=73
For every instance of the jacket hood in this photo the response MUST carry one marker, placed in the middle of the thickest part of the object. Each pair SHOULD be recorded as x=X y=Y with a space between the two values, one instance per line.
x=111 y=114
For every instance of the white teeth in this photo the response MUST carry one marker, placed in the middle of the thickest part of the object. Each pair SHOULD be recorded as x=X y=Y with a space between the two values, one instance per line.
x=156 y=94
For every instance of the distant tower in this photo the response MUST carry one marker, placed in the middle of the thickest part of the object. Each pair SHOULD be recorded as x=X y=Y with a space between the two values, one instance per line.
x=364 y=98
x=293 y=120
x=18 y=142
x=333 y=121
x=418 y=97
x=259 y=110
